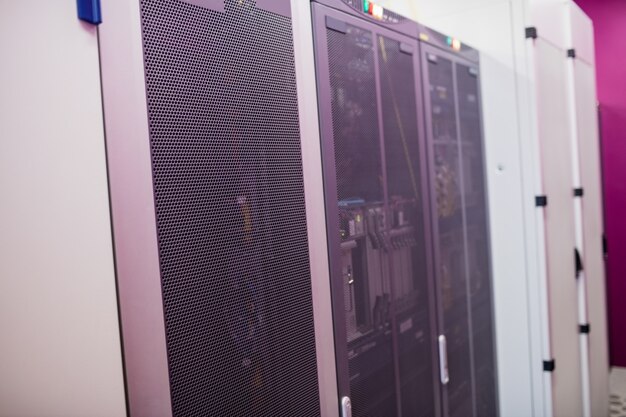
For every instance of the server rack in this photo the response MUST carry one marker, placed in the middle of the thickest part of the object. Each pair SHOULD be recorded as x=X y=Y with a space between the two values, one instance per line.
x=587 y=199
x=460 y=222
x=376 y=210
x=208 y=181
x=547 y=54
x=220 y=161
x=531 y=115
x=391 y=315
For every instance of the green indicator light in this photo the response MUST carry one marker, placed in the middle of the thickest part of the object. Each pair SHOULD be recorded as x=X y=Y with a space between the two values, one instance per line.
x=366 y=6
x=449 y=41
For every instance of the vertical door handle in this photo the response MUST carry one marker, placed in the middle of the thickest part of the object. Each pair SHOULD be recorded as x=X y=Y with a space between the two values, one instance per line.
x=443 y=360
x=346 y=407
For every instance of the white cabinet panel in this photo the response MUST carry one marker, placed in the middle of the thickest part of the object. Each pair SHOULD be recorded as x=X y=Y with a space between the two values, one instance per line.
x=60 y=346
x=556 y=164
x=592 y=226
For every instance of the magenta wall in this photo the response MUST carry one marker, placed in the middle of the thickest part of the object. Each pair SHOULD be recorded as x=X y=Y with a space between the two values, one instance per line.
x=609 y=18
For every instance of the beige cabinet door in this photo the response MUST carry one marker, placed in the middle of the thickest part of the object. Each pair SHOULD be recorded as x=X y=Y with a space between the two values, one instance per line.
x=60 y=347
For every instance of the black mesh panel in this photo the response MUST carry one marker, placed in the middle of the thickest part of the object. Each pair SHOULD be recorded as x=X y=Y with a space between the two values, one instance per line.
x=408 y=247
x=452 y=278
x=478 y=246
x=363 y=220
x=229 y=198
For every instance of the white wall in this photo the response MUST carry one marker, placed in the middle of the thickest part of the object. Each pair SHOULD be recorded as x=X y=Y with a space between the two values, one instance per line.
x=59 y=337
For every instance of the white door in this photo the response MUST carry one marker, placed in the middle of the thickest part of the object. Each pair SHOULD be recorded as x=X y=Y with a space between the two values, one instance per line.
x=592 y=226
x=553 y=122
x=59 y=346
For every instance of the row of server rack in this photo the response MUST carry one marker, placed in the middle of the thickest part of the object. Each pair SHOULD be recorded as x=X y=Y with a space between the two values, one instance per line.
x=242 y=208
x=542 y=142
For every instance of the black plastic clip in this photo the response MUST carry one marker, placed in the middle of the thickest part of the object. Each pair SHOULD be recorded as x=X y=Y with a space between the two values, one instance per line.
x=578 y=262
x=549 y=366
x=584 y=328
x=541 y=201
x=571 y=53
x=579 y=192
x=605 y=246
x=531 y=32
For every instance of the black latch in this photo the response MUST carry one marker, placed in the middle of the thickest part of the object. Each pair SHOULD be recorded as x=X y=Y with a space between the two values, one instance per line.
x=578 y=262
x=605 y=246
x=548 y=366
x=531 y=32
x=578 y=192
x=584 y=328
x=541 y=201
x=571 y=53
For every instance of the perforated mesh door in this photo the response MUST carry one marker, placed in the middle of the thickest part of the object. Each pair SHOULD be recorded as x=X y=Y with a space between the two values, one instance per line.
x=230 y=210
x=407 y=250
x=477 y=240
x=450 y=242
x=375 y=163
x=358 y=163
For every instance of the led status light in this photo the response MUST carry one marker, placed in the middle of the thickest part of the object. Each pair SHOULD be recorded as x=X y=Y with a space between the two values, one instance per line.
x=454 y=43
x=378 y=11
x=373 y=10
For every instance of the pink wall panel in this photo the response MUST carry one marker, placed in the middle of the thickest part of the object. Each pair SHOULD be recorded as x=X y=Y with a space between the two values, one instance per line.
x=609 y=17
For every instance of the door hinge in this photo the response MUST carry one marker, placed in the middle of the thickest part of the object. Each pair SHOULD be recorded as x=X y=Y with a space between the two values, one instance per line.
x=531 y=32
x=584 y=328
x=541 y=201
x=579 y=192
x=571 y=53
x=549 y=366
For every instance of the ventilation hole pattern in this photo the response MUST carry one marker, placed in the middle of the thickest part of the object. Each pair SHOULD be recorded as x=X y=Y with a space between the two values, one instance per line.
x=229 y=198
x=404 y=185
x=450 y=238
x=358 y=164
x=478 y=243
